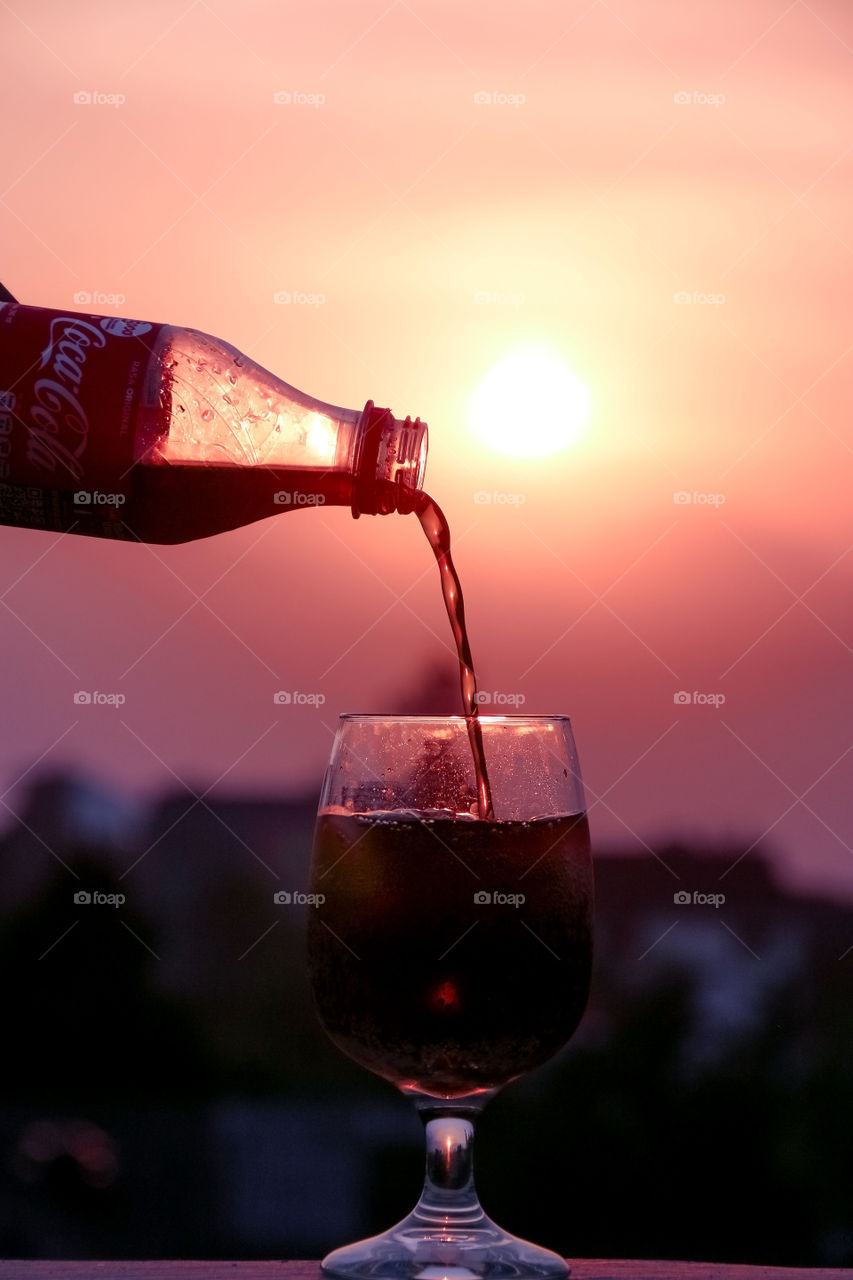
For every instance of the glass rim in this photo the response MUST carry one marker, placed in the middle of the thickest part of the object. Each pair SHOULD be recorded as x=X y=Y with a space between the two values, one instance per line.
x=511 y=718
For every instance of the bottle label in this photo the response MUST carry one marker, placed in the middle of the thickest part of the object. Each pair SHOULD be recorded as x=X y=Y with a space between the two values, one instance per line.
x=70 y=389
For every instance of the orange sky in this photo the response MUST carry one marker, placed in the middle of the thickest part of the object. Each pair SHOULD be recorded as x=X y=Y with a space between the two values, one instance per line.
x=659 y=149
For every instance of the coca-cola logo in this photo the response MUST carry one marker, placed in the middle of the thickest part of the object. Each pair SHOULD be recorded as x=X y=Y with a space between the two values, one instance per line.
x=60 y=430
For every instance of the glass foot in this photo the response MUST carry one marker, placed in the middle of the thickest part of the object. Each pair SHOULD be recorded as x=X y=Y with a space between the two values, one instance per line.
x=453 y=1250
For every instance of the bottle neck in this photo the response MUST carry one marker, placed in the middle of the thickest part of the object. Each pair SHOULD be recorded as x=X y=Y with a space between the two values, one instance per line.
x=389 y=463
x=203 y=402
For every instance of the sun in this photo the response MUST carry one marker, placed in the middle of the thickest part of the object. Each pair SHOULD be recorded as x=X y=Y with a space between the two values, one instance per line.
x=529 y=405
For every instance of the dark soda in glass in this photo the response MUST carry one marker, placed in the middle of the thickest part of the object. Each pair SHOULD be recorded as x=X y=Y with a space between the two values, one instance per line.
x=450 y=954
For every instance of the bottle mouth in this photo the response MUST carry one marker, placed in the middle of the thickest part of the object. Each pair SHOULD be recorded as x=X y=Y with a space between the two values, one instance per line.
x=390 y=462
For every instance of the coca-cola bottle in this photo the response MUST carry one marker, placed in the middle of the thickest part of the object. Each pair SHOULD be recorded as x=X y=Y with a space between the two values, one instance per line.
x=124 y=429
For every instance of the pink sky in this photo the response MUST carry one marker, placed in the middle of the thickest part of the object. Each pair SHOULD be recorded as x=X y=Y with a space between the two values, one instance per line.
x=590 y=204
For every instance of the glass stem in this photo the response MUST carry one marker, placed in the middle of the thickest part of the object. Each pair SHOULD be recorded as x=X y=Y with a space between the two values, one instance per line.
x=449 y=1198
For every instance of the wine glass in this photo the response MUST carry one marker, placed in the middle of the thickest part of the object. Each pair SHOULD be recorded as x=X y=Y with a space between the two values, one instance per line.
x=450 y=954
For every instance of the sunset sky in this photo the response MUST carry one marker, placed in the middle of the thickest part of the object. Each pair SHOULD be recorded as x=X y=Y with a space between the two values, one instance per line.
x=657 y=195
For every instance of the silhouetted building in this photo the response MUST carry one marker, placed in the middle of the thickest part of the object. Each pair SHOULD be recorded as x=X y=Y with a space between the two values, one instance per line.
x=178 y=1025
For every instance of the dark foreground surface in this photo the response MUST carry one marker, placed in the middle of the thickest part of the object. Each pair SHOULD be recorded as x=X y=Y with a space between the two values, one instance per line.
x=587 y=1269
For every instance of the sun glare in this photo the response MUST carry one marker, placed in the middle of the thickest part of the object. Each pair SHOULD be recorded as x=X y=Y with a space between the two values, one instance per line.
x=529 y=405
